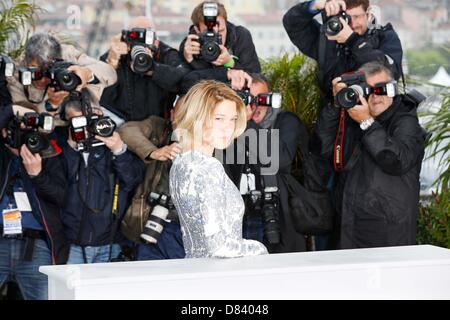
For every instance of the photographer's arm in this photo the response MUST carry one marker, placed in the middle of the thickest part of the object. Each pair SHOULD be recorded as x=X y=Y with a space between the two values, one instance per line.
x=136 y=135
x=302 y=29
x=398 y=153
x=390 y=51
x=170 y=71
x=247 y=58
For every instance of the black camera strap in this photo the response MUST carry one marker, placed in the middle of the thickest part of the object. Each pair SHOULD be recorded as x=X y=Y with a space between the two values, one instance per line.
x=338 y=160
x=27 y=94
x=322 y=51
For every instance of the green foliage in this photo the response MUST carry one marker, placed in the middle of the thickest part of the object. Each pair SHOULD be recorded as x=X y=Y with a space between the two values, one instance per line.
x=439 y=126
x=434 y=223
x=426 y=62
x=16 y=17
x=296 y=79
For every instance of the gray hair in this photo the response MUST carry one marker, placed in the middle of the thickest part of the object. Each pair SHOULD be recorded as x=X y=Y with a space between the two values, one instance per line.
x=375 y=67
x=260 y=78
x=42 y=47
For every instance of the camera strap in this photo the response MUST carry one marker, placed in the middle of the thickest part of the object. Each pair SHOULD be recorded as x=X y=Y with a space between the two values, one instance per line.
x=27 y=95
x=322 y=52
x=338 y=160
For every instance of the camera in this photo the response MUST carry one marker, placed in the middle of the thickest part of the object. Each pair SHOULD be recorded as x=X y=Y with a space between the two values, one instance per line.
x=154 y=226
x=333 y=25
x=356 y=87
x=272 y=100
x=209 y=40
x=84 y=129
x=270 y=215
x=266 y=204
x=139 y=39
x=61 y=79
x=29 y=135
x=7 y=63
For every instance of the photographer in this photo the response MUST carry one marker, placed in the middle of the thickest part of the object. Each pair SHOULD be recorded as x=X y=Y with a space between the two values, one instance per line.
x=31 y=230
x=43 y=51
x=152 y=141
x=235 y=50
x=377 y=146
x=151 y=89
x=101 y=173
x=268 y=118
x=340 y=46
x=5 y=96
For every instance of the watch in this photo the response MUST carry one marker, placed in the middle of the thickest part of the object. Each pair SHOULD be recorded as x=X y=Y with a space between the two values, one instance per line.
x=365 y=124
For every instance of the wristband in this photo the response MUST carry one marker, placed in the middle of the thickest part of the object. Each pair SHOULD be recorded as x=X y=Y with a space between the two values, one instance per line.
x=229 y=64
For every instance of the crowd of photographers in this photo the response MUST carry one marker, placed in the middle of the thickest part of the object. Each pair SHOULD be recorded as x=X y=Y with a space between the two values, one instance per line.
x=87 y=144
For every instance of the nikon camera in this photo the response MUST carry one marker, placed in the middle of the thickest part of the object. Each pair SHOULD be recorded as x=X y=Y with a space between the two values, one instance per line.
x=333 y=25
x=84 y=129
x=139 y=39
x=61 y=79
x=209 y=40
x=25 y=131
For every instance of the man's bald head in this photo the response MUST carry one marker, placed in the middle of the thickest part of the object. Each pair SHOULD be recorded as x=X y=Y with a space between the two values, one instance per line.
x=141 y=22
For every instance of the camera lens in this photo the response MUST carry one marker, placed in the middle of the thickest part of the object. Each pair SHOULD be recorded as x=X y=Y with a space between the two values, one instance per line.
x=66 y=80
x=155 y=224
x=141 y=61
x=271 y=227
x=210 y=51
x=349 y=97
x=334 y=26
x=104 y=127
x=36 y=143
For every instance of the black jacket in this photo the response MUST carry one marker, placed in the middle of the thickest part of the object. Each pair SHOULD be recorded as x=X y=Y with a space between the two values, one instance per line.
x=47 y=194
x=291 y=132
x=377 y=194
x=137 y=97
x=304 y=32
x=5 y=97
x=239 y=43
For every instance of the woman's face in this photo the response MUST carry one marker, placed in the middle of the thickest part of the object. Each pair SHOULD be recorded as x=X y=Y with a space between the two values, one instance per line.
x=223 y=125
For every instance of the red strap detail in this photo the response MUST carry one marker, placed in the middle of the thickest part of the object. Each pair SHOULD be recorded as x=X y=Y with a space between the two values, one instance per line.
x=338 y=160
x=55 y=146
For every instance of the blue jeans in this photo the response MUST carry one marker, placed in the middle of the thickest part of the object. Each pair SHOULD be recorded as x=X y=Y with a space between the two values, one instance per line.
x=253 y=228
x=93 y=254
x=33 y=284
x=169 y=245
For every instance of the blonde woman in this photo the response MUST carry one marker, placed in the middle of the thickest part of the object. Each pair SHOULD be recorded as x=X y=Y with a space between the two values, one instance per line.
x=210 y=207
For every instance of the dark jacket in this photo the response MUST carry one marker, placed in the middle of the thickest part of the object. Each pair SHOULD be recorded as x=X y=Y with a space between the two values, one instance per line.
x=47 y=194
x=137 y=97
x=5 y=96
x=239 y=43
x=91 y=186
x=304 y=32
x=377 y=194
x=291 y=131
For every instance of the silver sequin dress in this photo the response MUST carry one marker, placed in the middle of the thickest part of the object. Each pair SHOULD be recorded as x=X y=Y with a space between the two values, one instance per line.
x=210 y=208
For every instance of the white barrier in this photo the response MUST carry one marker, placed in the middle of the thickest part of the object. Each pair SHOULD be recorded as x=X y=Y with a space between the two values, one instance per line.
x=416 y=272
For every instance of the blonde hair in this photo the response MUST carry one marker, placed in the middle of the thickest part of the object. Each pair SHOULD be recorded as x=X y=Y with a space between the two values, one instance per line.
x=196 y=112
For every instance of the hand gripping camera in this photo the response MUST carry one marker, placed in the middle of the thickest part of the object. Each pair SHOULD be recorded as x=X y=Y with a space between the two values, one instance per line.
x=332 y=26
x=209 y=40
x=8 y=65
x=139 y=39
x=25 y=131
x=61 y=79
x=272 y=100
x=161 y=204
x=84 y=129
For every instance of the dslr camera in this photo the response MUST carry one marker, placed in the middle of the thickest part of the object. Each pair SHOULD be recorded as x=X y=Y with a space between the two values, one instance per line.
x=267 y=205
x=332 y=26
x=272 y=100
x=161 y=204
x=25 y=131
x=356 y=87
x=209 y=40
x=84 y=129
x=139 y=39
x=61 y=79
x=8 y=65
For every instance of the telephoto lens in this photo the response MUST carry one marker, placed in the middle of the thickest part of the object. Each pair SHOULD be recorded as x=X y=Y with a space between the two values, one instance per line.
x=155 y=224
